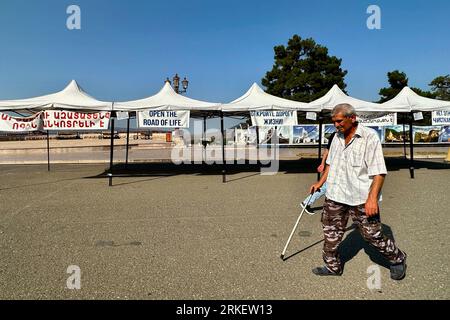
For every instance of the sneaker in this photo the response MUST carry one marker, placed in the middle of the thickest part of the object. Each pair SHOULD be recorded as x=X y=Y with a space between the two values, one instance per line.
x=398 y=270
x=324 y=271
x=307 y=209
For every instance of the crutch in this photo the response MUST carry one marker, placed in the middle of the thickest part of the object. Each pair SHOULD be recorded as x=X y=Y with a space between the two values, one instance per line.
x=296 y=224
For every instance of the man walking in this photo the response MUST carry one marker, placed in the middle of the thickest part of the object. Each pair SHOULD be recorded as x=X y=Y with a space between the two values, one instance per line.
x=355 y=174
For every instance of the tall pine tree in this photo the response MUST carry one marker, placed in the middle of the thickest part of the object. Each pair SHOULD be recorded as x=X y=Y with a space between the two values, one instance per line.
x=303 y=71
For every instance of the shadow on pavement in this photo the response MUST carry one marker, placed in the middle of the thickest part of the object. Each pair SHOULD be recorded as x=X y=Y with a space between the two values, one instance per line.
x=285 y=166
x=352 y=227
x=354 y=242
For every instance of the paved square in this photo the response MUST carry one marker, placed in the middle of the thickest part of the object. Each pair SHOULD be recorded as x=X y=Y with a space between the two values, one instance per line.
x=189 y=236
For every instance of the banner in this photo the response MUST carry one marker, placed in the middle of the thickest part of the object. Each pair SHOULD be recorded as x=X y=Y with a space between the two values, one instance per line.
x=122 y=115
x=245 y=136
x=377 y=118
x=74 y=120
x=444 y=135
x=305 y=134
x=163 y=119
x=395 y=134
x=379 y=130
x=327 y=130
x=21 y=124
x=273 y=118
x=426 y=134
x=441 y=118
x=267 y=133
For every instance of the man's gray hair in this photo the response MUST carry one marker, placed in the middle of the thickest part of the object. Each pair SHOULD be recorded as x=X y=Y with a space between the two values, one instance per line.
x=346 y=109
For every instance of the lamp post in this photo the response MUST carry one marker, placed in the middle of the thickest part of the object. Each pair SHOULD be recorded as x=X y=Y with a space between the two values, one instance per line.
x=176 y=84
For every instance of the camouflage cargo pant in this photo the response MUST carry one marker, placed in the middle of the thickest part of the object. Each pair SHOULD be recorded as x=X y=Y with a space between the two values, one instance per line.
x=334 y=221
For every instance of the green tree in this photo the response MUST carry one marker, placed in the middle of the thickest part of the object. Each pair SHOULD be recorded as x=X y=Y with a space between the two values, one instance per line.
x=441 y=87
x=398 y=81
x=303 y=71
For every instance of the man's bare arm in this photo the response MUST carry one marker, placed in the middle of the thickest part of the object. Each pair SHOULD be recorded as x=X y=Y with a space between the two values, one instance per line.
x=316 y=186
x=371 y=205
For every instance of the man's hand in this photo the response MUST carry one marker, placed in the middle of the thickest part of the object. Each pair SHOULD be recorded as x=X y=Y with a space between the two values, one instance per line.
x=320 y=168
x=371 y=207
x=315 y=187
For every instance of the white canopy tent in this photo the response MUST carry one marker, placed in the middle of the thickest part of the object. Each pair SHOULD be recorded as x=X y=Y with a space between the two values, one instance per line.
x=407 y=100
x=71 y=97
x=336 y=96
x=167 y=99
x=256 y=99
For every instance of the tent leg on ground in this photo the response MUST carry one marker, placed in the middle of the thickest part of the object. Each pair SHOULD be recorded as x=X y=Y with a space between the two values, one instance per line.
x=128 y=141
x=111 y=153
x=224 y=178
x=411 y=147
x=48 y=151
x=320 y=142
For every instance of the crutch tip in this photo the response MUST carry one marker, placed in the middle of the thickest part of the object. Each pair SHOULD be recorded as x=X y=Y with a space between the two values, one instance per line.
x=282 y=257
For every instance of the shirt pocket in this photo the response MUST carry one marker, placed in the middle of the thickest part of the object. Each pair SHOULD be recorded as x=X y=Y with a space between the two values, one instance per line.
x=356 y=160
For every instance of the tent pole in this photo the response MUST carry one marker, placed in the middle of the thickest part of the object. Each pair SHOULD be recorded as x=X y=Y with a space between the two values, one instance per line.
x=257 y=137
x=411 y=147
x=224 y=178
x=48 y=151
x=111 y=153
x=128 y=140
x=320 y=141
x=404 y=134
x=204 y=140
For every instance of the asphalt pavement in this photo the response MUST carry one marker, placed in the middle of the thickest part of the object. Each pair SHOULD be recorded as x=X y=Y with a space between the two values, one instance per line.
x=168 y=234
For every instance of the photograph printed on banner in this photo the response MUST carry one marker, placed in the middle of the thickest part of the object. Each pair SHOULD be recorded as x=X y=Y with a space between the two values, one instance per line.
x=426 y=134
x=444 y=135
x=327 y=131
x=245 y=136
x=396 y=134
x=379 y=130
x=305 y=134
x=283 y=132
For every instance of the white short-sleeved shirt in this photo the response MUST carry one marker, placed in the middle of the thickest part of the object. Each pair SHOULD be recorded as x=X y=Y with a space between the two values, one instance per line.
x=352 y=167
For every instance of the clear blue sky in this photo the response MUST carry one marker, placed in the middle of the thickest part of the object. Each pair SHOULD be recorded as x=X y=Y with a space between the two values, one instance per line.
x=125 y=49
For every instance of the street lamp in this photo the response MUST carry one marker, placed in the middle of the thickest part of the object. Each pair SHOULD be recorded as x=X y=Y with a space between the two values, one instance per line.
x=176 y=83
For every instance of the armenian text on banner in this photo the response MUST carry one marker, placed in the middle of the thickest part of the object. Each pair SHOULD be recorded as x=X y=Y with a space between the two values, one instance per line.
x=272 y=118
x=163 y=119
x=441 y=118
x=23 y=124
x=75 y=120
x=377 y=118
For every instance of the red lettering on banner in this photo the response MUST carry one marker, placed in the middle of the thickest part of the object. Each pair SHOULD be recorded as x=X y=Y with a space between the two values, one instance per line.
x=63 y=115
x=70 y=115
x=6 y=117
x=95 y=116
x=102 y=124
x=56 y=115
x=83 y=116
